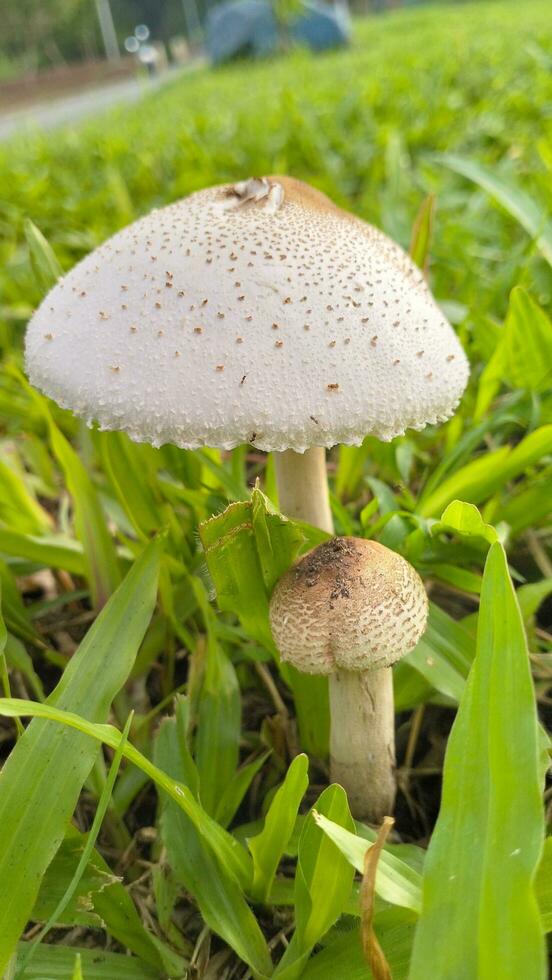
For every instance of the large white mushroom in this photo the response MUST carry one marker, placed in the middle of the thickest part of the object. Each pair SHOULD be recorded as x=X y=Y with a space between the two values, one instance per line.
x=256 y=312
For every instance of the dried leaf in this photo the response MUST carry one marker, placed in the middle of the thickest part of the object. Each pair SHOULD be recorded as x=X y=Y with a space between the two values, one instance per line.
x=373 y=952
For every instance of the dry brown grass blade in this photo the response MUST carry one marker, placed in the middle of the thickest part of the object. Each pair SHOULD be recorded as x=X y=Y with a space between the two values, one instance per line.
x=371 y=948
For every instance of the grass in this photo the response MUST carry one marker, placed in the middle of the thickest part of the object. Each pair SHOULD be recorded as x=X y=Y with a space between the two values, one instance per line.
x=450 y=102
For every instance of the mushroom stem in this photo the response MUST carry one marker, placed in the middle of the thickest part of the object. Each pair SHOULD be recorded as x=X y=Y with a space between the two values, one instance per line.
x=362 y=740
x=303 y=486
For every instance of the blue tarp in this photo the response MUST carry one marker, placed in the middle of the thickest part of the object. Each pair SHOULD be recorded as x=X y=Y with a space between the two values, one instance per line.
x=248 y=28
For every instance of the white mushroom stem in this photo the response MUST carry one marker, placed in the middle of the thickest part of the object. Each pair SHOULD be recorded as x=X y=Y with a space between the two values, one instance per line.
x=362 y=740
x=303 y=486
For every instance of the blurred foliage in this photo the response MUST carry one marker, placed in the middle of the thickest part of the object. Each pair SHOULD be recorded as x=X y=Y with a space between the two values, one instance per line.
x=436 y=126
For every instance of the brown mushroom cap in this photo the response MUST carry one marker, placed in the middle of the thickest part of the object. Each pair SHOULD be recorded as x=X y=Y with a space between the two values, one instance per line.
x=349 y=604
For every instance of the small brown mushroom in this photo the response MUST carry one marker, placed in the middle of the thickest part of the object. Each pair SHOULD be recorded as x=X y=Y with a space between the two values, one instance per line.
x=351 y=608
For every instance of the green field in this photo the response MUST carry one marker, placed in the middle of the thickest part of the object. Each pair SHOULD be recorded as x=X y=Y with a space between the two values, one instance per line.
x=438 y=120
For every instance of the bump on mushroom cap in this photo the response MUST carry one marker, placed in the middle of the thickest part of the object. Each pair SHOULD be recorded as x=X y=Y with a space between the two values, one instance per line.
x=259 y=312
x=349 y=604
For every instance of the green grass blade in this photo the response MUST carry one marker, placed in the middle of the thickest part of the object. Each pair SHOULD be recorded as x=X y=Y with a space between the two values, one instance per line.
x=42 y=778
x=323 y=882
x=77 y=969
x=44 y=263
x=101 y=557
x=218 y=727
x=49 y=551
x=132 y=473
x=220 y=899
x=480 y=918
x=236 y=790
x=268 y=847
x=101 y=897
x=73 y=885
x=396 y=881
x=223 y=844
x=4 y=676
x=421 y=233
x=19 y=510
x=343 y=958
x=543 y=886
x=57 y=962
x=527 y=212
x=477 y=480
x=523 y=355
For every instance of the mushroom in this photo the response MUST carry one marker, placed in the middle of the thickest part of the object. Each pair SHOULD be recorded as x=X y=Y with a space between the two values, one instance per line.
x=256 y=312
x=351 y=608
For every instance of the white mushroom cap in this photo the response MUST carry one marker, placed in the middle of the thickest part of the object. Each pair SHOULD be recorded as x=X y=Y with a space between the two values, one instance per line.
x=256 y=313
x=350 y=604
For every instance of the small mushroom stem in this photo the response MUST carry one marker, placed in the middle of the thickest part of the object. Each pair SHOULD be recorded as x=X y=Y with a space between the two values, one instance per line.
x=362 y=740
x=303 y=486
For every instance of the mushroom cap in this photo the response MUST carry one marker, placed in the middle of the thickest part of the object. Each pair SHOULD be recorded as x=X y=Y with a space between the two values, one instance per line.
x=258 y=312
x=349 y=604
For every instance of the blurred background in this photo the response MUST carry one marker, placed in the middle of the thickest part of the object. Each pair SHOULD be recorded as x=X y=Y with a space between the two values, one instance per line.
x=63 y=48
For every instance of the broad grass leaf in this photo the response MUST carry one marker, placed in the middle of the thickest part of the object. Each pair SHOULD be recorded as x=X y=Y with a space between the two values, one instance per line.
x=42 y=778
x=268 y=847
x=233 y=562
x=480 y=918
x=56 y=962
x=73 y=885
x=396 y=881
x=323 y=882
x=247 y=548
x=521 y=206
x=278 y=539
x=55 y=882
x=460 y=578
x=217 y=893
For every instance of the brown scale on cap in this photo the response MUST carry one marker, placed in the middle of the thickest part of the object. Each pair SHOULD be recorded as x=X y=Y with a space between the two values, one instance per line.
x=350 y=604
